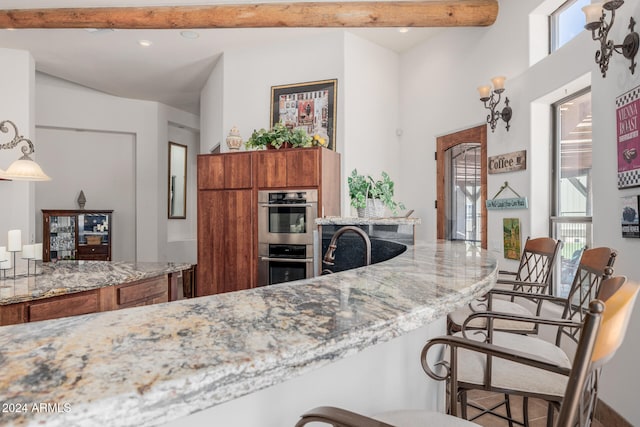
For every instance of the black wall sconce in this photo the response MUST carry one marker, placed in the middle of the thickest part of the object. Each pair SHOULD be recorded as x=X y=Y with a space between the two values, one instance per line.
x=491 y=99
x=596 y=19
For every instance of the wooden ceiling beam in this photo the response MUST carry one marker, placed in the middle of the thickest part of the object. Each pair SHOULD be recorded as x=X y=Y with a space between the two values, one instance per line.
x=422 y=13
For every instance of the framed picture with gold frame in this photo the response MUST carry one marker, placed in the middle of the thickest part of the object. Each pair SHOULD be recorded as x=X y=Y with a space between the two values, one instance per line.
x=310 y=106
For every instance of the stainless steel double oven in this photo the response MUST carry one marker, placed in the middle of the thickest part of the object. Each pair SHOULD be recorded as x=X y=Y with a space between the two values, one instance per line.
x=286 y=224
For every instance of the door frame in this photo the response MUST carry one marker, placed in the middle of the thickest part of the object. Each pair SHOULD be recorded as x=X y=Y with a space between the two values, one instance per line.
x=443 y=143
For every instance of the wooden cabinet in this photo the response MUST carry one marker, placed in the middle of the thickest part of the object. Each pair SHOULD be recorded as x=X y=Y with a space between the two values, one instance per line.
x=217 y=172
x=76 y=234
x=226 y=250
x=142 y=292
x=294 y=168
x=228 y=186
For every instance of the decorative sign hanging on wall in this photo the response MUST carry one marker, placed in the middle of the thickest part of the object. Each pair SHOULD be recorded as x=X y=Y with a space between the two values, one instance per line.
x=630 y=220
x=628 y=140
x=508 y=162
x=510 y=203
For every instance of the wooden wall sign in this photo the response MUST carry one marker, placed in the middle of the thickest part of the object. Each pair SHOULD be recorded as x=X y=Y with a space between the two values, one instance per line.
x=508 y=162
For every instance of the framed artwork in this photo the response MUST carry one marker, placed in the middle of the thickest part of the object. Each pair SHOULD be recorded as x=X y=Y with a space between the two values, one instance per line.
x=310 y=106
x=628 y=139
x=629 y=214
x=511 y=236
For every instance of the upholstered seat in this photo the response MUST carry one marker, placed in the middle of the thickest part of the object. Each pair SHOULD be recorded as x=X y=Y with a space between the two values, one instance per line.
x=533 y=277
x=511 y=375
x=418 y=418
x=501 y=306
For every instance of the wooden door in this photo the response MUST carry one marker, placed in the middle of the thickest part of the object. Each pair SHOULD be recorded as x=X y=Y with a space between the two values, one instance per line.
x=476 y=135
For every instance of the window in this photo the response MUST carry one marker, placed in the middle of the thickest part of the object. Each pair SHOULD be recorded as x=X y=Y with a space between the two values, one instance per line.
x=572 y=190
x=566 y=22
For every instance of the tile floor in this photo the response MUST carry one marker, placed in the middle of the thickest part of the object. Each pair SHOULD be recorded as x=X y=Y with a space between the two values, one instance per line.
x=537 y=410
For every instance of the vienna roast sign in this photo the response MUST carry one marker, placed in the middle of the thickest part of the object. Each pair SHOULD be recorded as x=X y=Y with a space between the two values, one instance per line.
x=508 y=162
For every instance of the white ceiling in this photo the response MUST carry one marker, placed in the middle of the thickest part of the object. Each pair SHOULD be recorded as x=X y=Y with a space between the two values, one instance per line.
x=173 y=70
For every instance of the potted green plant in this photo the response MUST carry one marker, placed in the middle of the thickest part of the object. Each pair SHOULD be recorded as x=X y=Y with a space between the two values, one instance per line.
x=274 y=137
x=300 y=138
x=370 y=196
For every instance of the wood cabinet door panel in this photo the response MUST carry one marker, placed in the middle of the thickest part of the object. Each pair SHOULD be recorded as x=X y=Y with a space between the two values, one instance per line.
x=302 y=168
x=272 y=169
x=238 y=252
x=72 y=305
x=210 y=172
x=237 y=170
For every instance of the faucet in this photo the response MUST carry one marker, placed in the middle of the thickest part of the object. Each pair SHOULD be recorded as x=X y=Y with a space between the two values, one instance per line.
x=329 y=256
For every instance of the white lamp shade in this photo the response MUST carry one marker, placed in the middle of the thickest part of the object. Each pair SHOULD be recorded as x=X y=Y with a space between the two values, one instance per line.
x=25 y=169
x=593 y=12
x=484 y=91
x=498 y=82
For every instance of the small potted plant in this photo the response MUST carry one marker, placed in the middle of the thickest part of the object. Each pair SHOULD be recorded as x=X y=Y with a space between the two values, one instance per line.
x=300 y=138
x=370 y=196
x=275 y=137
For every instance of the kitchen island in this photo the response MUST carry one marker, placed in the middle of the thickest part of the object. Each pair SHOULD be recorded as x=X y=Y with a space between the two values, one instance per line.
x=67 y=288
x=156 y=364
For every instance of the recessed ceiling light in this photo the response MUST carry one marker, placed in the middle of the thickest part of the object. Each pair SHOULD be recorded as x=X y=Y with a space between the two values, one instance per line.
x=189 y=34
x=145 y=43
x=403 y=30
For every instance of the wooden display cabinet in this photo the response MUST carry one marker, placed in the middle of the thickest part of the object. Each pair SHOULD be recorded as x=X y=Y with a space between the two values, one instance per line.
x=76 y=234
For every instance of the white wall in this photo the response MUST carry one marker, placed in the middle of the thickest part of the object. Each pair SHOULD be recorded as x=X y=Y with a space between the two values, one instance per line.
x=102 y=165
x=371 y=113
x=621 y=378
x=367 y=140
x=17 y=86
x=61 y=104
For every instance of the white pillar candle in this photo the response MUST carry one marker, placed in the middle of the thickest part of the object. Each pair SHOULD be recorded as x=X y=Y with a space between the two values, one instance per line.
x=5 y=259
x=15 y=241
x=37 y=251
x=27 y=252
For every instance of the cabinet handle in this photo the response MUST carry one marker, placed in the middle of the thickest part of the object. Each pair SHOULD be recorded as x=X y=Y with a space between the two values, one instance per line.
x=302 y=260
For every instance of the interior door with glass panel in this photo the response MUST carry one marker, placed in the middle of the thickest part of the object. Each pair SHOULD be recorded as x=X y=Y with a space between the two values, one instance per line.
x=462 y=186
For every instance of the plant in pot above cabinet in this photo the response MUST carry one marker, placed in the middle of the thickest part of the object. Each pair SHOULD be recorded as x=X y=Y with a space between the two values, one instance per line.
x=275 y=137
x=370 y=196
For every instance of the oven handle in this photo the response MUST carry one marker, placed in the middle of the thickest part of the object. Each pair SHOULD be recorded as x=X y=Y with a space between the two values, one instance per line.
x=307 y=260
x=285 y=205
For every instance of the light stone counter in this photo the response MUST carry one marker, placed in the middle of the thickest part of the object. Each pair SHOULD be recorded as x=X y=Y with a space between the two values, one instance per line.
x=339 y=220
x=151 y=365
x=67 y=277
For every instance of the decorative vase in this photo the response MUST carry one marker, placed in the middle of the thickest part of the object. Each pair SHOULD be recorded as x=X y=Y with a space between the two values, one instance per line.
x=374 y=209
x=82 y=199
x=234 y=140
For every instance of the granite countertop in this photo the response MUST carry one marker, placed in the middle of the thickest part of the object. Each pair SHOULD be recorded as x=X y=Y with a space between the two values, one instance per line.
x=67 y=277
x=154 y=364
x=339 y=220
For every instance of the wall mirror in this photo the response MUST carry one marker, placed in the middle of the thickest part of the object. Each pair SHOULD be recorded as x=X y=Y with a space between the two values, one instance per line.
x=177 y=181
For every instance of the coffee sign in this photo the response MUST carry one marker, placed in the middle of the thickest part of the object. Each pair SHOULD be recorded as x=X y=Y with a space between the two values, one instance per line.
x=508 y=162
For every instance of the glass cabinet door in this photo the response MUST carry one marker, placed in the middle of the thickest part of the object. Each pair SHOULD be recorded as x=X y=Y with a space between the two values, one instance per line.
x=62 y=240
x=93 y=229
